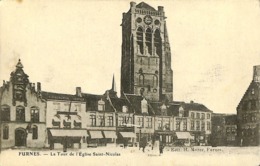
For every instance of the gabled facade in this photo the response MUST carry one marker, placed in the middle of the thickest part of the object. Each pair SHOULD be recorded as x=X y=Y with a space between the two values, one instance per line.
x=22 y=112
x=248 y=112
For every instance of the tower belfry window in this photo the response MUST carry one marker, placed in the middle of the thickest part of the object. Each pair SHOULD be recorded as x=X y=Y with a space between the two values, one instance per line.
x=148 y=41
x=140 y=38
x=157 y=42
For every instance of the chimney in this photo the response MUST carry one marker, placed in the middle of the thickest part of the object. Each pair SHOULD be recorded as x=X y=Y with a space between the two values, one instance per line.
x=78 y=91
x=33 y=87
x=160 y=8
x=132 y=4
x=39 y=87
x=256 y=75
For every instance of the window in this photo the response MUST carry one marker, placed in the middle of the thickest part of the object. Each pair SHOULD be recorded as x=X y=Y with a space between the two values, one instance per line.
x=167 y=124
x=178 y=125
x=93 y=120
x=160 y=124
x=198 y=115
x=66 y=107
x=101 y=121
x=208 y=126
x=157 y=42
x=140 y=121
x=120 y=121
x=228 y=130
x=197 y=125
x=125 y=109
x=192 y=125
x=155 y=81
x=128 y=120
x=192 y=115
x=56 y=107
x=148 y=41
x=110 y=121
x=77 y=108
x=34 y=114
x=203 y=126
x=20 y=113
x=5 y=113
x=184 y=125
x=5 y=132
x=149 y=122
x=208 y=115
x=144 y=106
x=141 y=79
x=34 y=132
x=140 y=37
x=101 y=105
x=202 y=116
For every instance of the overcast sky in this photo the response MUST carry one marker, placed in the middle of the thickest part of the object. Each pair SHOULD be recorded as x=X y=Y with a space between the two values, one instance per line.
x=65 y=44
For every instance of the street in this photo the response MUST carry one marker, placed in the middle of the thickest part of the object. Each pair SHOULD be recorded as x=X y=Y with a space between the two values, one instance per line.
x=133 y=156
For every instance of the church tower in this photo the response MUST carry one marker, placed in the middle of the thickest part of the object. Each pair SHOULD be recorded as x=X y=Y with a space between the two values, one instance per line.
x=146 y=55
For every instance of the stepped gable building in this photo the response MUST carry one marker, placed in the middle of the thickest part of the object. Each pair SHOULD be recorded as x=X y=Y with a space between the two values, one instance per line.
x=248 y=112
x=146 y=55
x=22 y=112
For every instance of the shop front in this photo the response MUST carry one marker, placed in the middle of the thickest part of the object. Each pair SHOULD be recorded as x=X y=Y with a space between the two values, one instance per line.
x=68 y=138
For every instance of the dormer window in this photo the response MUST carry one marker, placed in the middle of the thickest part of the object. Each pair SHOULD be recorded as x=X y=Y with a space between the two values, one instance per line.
x=164 y=110
x=253 y=91
x=101 y=105
x=125 y=109
x=144 y=106
x=181 y=113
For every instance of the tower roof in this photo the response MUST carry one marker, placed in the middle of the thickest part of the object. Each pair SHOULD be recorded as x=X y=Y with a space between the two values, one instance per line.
x=144 y=5
x=19 y=64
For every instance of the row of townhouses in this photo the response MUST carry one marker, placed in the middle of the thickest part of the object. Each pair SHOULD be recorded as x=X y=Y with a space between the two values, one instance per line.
x=31 y=118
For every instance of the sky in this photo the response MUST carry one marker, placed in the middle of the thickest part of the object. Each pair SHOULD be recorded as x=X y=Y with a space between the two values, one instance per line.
x=67 y=44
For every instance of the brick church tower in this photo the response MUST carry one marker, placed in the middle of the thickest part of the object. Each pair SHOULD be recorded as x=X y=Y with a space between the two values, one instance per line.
x=146 y=55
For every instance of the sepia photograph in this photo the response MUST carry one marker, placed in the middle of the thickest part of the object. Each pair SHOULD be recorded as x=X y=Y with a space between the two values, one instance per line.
x=156 y=82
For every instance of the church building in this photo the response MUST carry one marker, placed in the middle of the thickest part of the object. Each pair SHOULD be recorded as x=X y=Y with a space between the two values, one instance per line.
x=146 y=54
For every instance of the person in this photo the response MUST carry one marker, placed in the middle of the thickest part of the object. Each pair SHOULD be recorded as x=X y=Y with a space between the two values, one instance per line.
x=161 y=148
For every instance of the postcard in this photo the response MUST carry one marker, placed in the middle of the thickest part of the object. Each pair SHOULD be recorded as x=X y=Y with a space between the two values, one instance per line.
x=129 y=82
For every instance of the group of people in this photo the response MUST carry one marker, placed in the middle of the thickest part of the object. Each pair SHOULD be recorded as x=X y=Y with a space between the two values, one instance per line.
x=156 y=145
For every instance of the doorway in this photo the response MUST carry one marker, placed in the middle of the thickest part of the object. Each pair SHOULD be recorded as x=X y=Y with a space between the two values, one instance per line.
x=20 y=137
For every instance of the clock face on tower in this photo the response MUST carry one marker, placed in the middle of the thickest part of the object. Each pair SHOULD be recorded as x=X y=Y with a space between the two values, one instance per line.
x=148 y=20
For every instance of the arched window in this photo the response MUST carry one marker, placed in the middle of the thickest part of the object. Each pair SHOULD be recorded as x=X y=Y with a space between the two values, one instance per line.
x=140 y=39
x=5 y=132
x=34 y=114
x=5 y=113
x=144 y=106
x=34 y=132
x=141 y=79
x=158 y=42
x=148 y=40
x=20 y=114
x=155 y=81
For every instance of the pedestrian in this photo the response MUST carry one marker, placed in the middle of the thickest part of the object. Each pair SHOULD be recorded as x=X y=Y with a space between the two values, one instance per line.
x=161 y=149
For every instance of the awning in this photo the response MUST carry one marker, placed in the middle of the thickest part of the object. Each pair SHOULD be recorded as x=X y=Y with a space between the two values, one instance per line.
x=110 y=134
x=128 y=134
x=68 y=133
x=184 y=135
x=95 y=134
